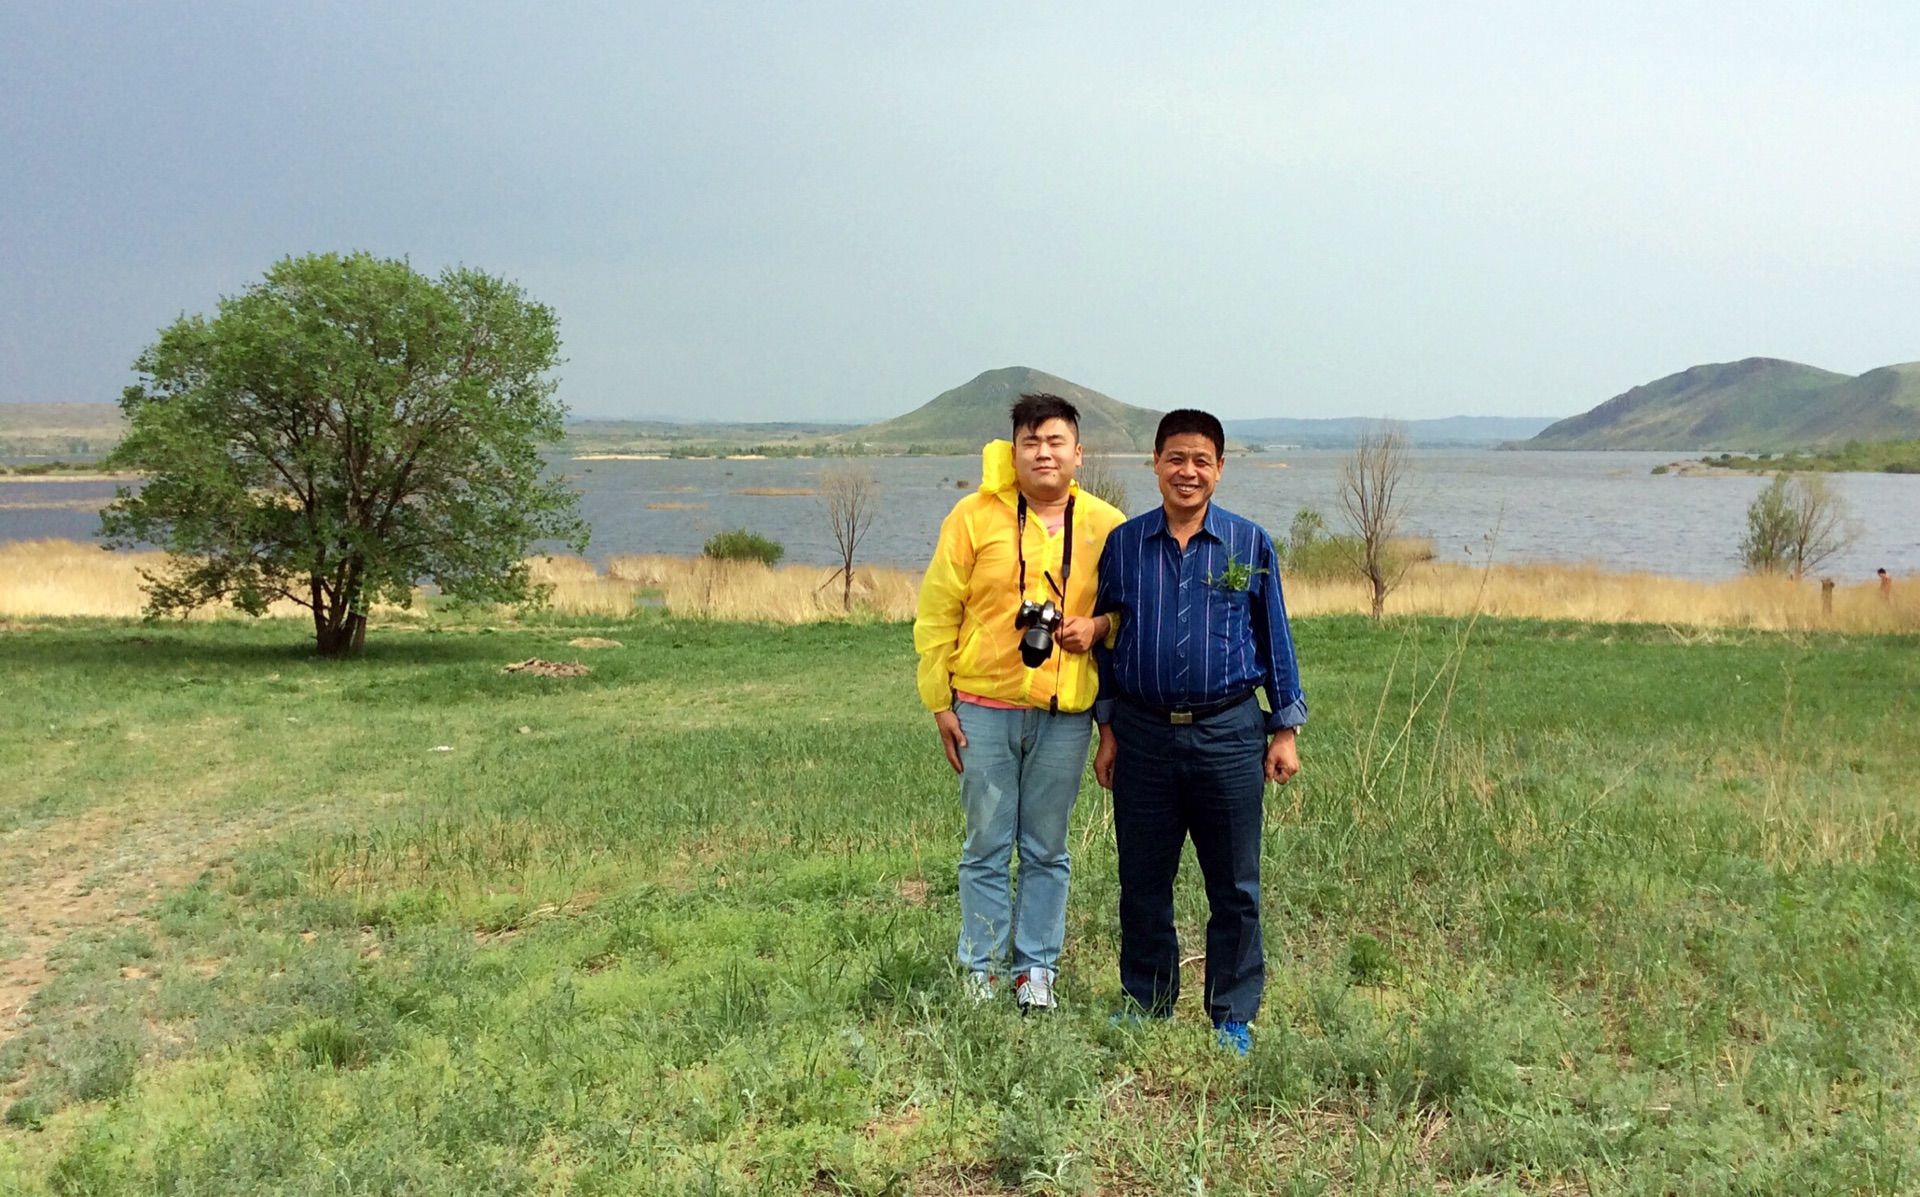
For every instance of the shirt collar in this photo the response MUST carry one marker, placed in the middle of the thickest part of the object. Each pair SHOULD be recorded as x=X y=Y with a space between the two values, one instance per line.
x=1211 y=524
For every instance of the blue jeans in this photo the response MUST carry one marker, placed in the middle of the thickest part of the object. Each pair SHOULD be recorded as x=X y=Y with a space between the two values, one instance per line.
x=1021 y=772
x=1205 y=780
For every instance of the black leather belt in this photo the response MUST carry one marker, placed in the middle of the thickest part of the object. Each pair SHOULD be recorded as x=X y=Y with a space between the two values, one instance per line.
x=1182 y=715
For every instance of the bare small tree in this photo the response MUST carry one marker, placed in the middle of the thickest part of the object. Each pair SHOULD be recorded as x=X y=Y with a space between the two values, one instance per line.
x=1371 y=501
x=851 y=498
x=1796 y=525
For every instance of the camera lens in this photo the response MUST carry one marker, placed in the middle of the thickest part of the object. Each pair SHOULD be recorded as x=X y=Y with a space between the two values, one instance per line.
x=1036 y=646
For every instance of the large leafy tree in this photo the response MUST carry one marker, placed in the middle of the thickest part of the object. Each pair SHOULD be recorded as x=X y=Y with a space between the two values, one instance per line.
x=340 y=432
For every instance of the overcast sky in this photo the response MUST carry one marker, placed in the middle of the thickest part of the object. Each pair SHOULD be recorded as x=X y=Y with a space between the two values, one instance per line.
x=835 y=211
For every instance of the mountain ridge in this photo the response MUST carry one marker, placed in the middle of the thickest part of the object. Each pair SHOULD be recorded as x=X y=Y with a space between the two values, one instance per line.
x=969 y=415
x=1755 y=403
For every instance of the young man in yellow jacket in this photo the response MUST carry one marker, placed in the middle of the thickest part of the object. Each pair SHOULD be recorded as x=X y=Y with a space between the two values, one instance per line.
x=1004 y=630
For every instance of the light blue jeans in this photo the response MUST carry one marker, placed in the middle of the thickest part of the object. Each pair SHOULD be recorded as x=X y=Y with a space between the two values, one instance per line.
x=1020 y=775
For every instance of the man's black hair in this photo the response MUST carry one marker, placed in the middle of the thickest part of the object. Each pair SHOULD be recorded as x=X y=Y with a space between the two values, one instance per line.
x=1184 y=420
x=1031 y=411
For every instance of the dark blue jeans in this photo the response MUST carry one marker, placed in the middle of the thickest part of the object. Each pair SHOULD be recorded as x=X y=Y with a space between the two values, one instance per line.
x=1205 y=780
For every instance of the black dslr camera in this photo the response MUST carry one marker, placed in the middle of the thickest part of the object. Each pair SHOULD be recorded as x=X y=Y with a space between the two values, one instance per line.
x=1041 y=621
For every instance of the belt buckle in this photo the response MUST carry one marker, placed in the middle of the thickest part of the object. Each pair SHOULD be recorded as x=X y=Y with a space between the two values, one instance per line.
x=1180 y=718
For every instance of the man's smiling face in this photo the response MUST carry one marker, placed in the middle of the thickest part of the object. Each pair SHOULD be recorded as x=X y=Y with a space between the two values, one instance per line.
x=1188 y=467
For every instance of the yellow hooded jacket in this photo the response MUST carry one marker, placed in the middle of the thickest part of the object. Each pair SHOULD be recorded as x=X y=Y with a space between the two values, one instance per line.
x=964 y=631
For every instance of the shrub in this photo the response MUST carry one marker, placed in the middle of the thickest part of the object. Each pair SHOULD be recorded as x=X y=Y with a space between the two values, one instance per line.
x=1336 y=558
x=327 y=1044
x=1795 y=525
x=32 y=1111
x=1368 y=961
x=742 y=545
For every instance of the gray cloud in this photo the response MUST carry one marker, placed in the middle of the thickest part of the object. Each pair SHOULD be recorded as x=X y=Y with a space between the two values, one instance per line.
x=837 y=210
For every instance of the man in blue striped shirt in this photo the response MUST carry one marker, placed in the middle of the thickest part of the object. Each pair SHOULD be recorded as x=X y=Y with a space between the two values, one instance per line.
x=1185 y=745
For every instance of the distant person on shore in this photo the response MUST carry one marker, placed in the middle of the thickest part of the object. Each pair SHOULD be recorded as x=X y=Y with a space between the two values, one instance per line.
x=1004 y=630
x=1184 y=743
x=1886 y=585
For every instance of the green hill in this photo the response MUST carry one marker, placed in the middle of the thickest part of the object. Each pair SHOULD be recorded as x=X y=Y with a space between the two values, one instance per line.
x=968 y=416
x=1759 y=404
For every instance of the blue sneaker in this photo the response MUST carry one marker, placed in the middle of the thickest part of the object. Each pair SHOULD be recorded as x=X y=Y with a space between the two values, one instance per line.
x=1236 y=1037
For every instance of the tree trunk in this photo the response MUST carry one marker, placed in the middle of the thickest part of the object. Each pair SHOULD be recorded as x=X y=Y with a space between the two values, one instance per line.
x=1379 y=595
x=332 y=635
x=846 y=587
x=338 y=630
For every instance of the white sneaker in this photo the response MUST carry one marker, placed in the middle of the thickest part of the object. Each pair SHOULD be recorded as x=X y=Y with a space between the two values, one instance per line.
x=1034 y=990
x=981 y=986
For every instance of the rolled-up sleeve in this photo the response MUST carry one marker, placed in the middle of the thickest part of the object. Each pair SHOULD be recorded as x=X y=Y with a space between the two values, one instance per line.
x=1273 y=642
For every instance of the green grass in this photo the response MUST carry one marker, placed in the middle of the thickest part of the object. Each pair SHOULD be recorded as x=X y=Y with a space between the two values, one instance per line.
x=1606 y=912
x=1871 y=457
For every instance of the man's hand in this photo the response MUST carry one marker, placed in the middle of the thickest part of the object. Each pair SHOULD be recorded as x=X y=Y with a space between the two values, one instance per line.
x=1283 y=757
x=1103 y=757
x=951 y=737
x=1078 y=633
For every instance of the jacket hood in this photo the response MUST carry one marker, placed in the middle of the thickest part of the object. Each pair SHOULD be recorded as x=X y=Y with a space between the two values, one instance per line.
x=996 y=467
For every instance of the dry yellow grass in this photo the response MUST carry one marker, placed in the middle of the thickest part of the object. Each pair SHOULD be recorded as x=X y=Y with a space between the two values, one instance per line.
x=699 y=586
x=86 y=476
x=53 y=504
x=68 y=577
x=1592 y=595
x=58 y=578
x=577 y=588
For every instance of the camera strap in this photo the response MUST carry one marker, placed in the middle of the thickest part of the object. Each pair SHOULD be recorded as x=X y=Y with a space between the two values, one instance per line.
x=1066 y=549
x=1066 y=572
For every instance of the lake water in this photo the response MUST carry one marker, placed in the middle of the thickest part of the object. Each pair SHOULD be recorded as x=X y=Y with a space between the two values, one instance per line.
x=1606 y=508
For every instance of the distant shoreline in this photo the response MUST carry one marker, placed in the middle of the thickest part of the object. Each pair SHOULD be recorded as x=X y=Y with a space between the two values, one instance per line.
x=74 y=476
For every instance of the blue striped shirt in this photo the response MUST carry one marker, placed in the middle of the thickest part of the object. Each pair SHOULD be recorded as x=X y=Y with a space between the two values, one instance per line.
x=1185 y=638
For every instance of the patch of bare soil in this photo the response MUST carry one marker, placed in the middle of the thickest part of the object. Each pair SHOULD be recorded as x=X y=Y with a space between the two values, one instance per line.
x=540 y=668
x=101 y=868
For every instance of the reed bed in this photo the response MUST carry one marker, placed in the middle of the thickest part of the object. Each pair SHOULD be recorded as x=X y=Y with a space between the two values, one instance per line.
x=705 y=588
x=1590 y=594
x=1587 y=594
x=67 y=578
x=575 y=587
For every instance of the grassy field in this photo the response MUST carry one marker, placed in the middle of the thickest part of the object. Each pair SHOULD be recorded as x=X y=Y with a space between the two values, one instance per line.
x=1883 y=457
x=1553 y=908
